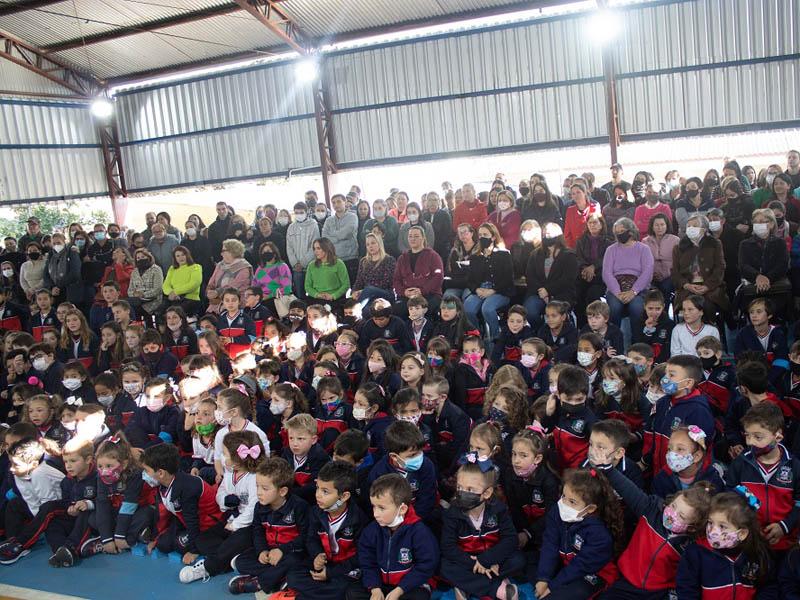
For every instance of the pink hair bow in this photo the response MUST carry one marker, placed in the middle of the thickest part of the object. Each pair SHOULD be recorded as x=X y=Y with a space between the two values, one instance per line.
x=696 y=434
x=253 y=452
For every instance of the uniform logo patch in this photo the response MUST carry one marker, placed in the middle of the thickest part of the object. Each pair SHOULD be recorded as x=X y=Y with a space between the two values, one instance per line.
x=723 y=376
x=339 y=412
x=414 y=485
x=404 y=557
x=347 y=532
x=676 y=422
x=289 y=519
x=662 y=334
x=578 y=425
x=785 y=474
x=577 y=543
x=491 y=521
x=537 y=497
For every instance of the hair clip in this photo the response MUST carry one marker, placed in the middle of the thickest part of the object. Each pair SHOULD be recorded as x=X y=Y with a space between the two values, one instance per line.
x=749 y=496
x=33 y=380
x=73 y=401
x=593 y=473
x=115 y=439
x=253 y=451
x=536 y=428
x=697 y=435
x=473 y=458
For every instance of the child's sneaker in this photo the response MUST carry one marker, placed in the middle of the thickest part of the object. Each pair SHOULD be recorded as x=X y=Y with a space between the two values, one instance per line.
x=194 y=572
x=63 y=557
x=244 y=584
x=11 y=552
x=90 y=547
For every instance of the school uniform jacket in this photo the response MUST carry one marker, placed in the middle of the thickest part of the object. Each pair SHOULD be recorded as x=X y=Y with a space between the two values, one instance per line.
x=185 y=344
x=353 y=369
x=147 y=428
x=164 y=365
x=537 y=379
x=613 y=410
x=492 y=544
x=575 y=551
x=778 y=491
x=612 y=338
x=331 y=423
x=791 y=396
x=449 y=436
x=657 y=337
x=40 y=323
x=469 y=389
x=406 y=557
x=241 y=328
x=419 y=341
x=192 y=502
x=529 y=499
x=777 y=349
x=570 y=435
x=285 y=528
x=667 y=482
x=74 y=490
x=78 y=350
x=52 y=377
x=118 y=502
x=305 y=474
x=119 y=414
x=718 y=387
x=375 y=429
x=340 y=549
x=11 y=317
x=508 y=346
x=734 y=432
x=424 y=489
x=564 y=345
x=708 y=574
x=671 y=413
x=650 y=560
x=259 y=314
x=303 y=380
x=395 y=334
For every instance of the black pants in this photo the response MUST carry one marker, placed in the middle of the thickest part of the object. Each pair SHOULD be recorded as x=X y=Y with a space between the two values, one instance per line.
x=334 y=588
x=58 y=527
x=461 y=575
x=17 y=516
x=588 y=292
x=352 y=269
x=220 y=546
x=577 y=589
x=174 y=539
x=270 y=577
x=143 y=517
x=359 y=592
x=622 y=590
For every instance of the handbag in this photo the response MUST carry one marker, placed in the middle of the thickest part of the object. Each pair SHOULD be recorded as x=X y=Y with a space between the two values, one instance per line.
x=282 y=304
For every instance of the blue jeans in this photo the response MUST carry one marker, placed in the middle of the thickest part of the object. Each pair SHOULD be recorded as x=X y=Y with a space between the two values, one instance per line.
x=475 y=306
x=634 y=310
x=535 y=307
x=299 y=283
x=666 y=288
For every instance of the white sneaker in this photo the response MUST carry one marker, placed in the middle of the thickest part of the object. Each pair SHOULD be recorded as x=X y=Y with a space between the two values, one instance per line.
x=194 y=572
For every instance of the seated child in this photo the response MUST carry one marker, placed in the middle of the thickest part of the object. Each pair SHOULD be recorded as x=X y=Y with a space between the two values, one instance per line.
x=597 y=321
x=620 y=398
x=642 y=358
x=657 y=328
x=237 y=497
x=508 y=345
x=396 y=574
x=766 y=339
x=349 y=359
x=686 y=335
x=236 y=329
x=608 y=446
x=449 y=425
x=77 y=383
x=534 y=364
x=790 y=386
x=569 y=418
x=383 y=325
x=186 y=504
x=581 y=537
x=472 y=376
x=558 y=332
x=334 y=415
x=685 y=456
x=404 y=444
x=118 y=405
x=508 y=410
x=47 y=368
x=334 y=526
x=720 y=377
x=381 y=367
x=158 y=363
x=204 y=432
x=90 y=424
x=157 y=421
x=41 y=410
x=45 y=318
x=280 y=530
x=479 y=543
x=285 y=401
x=419 y=327
x=352 y=447
x=304 y=454
x=233 y=409
x=370 y=413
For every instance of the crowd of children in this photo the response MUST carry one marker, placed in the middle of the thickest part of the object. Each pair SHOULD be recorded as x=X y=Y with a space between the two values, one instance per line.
x=387 y=458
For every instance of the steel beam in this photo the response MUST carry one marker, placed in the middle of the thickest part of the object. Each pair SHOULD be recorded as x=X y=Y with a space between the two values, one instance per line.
x=324 y=123
x=112 y=163
x=610 y=84
x=272 y=16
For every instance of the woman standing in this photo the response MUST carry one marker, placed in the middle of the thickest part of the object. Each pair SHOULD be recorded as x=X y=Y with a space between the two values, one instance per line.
x=552 y=274
x=182 y=283
x=413 y=218
x=542 y=206
x=375 y=273
x=362 y=212
x=62 y=272
x=391 y=229
x=693 y=203
x=326 y=276
x=198 y=247
x=31 y=273
x=662 y=245
x=441 y=222
x=530 y=240
x=620 y=207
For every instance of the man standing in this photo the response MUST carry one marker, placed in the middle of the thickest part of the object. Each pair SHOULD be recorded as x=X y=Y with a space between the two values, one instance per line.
x=616 y=179
x=792 y=168
x=341 y=228
x=470 y=210
x=218 y=231
x=34 y=234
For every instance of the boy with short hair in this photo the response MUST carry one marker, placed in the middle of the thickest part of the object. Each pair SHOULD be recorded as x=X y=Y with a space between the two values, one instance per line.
x=720 y=377
x=158 y=362
x=186 y=504
x=157 y=421
x=123 y=314
x=608 y=445
x=280 y=529
x=253 y=308
x=296 y=319
x=790 y=386
x=568 y=417
x=383 y=325
x=657 y=327
x=101 y=312
x=48 y=369
x=304 y=454
x=508 y=345
x=11 y=317
x=352 y=447
x=335 y=524
x=762 y=337
x=642 y=357
x=683 y=404
x=419 y=327
x=598 y=316
x=770 y=472
x=404 y=443
x=397 y=553
x=119 y=406
x=45 y=319
x=450 y=426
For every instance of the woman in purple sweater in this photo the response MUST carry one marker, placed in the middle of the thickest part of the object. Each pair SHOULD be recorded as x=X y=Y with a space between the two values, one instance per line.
x=627 y=273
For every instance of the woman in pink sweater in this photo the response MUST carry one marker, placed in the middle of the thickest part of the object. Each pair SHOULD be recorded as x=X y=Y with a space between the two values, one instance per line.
x=661 y=244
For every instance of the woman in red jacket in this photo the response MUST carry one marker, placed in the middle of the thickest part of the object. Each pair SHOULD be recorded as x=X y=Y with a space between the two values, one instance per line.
x=419 y=272
x=578 y=213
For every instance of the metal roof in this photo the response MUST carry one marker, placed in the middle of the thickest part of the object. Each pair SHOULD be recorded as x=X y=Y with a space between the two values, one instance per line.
x=117 y=39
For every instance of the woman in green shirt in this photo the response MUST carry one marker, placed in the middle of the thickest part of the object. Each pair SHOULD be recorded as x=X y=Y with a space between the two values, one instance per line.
x=326 y=276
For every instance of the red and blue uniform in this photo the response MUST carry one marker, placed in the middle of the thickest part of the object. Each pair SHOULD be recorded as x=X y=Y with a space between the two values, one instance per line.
x=508 y=345
x=530 y=499
x=774 y=346
x=120 y=412
x=536 y=379
x=40 y=323
x=353 y=369
x=77 y=349
x=124 y=508
x=562 y=346
x=239 y=328
x=658 y=338
x=330 y=423
x=260 y=315
x=570 y=435
x=449 y=436
x=719 y=387
x=375 y=429
x=185 y=509
x=666 y=482
x=708 y=574
x=612 y=338
x=182 y=346
x=395 y=333
x=305 y=472
x=734 y=434
x=469 y=389
x=147 y=428
x=419 y=341
x=424 y=488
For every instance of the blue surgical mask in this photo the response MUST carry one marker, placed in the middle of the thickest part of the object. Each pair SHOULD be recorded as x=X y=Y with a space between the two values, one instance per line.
x=639 y=368
x=80 y=243
x=100 y=235
x=414 y=463
x=611 y=387
x=263 y=384
x=149 y=480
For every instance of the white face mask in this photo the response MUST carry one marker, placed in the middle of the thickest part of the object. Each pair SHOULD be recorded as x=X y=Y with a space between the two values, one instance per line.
x=132 y=388
x=40 y=364
x=694 y=233
x=277 y=408
x=300 y=217
x=72 y=383
x=359 y=413
x=528 y=235
x=770 y=179
x=398 y=520
x=503 y=205
x=585 y=358
x=567 y=513
x=378 y=213
x=714 y=226
x=219 y=417
x=191 y=231
x=8 y=272
x=653 y=396
x=294 y=354
x=283 y=221
x=320 y=215
x=105 y=400
x=760 y=229
x=413 y=218
x=58 y=247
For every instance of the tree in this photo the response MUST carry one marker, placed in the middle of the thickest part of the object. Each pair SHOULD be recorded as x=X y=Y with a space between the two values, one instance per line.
x=52 y=216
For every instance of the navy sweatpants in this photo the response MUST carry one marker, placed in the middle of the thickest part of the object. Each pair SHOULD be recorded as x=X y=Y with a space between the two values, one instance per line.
x=462 y=576
x=270 y=577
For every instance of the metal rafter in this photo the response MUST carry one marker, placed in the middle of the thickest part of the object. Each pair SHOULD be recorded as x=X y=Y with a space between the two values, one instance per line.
x=112 y=161
x=609 y=74
x=324 y=123
x=272 y=16
x=11 y=9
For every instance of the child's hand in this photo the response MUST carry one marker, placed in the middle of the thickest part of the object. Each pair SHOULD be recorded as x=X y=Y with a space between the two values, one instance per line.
x=611 y=351
x=773 y=532
x=195 y=471
x=522 y=539
x=376 y=594
x=275 y=556
x=218 y=478
x=263 y=557
x=395 y=594
x=229 y=526
x=72 y=511
x=189 y=558
x=321 y=575
x=320 y=560
x=481 y=570
x=735 y=451
x=122 y=545
x=542 y=589
x=81 y=505
x=110 y=547
x=550 y=407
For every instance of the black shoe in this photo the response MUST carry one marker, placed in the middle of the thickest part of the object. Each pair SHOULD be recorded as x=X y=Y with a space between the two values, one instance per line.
x=244 y=584
x=90 y=547
x=63 y=557
x=145 y=537
x=11 y=552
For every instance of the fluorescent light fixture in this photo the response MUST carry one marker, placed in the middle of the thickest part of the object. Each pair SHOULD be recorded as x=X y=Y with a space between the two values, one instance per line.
x=604 y=26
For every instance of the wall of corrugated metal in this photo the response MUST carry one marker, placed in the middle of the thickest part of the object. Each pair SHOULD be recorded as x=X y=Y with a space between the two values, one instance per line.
x=48 y=150
x=14 y=78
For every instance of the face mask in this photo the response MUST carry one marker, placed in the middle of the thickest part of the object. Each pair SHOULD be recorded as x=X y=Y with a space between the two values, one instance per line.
x=624 y=237
x=523 y=191
x=526 y=472
x=132 y=388
x=34 y=255
x=294 y=354
x=503 y=205
x=472 y=358
x=319 y=215
x=585 y=358
x=640 y=369
x=72 y=384
x=154 y=404
x=484 y=242
x=398 y=520
x=672 y=521
x=438 y=361
x=572 y=409
x=191 y=231
x=414 y=463
x=721 y=540
x=315 y=381
x=611 y=387
x=694 y=233
x=653 y=396
x=219 y=417
x=379 y=213
x=795 y=367
x=277 y=408
x=204 y=429
x=709 y=362
x=692 y=194
x=58 y=247
x=375 y=366
x=268 y=256
x=529 y=360
x=99 y=235
x=763 y=450
x=149 y=479
x=679 y=462
x=40 y=364
x=670 y=387
x=549 y=241
x=80 y=243
x=284 y=221
x=71 y=426
x=263 y=384
x=331 y=406
x=109 y=476
x=174 y=326
x=105 y=400
x=554 y=388
x=466 y=501
x=770 y=179
x=780 y=221
x=411 y=418
x=413 y=218
x=359 y=413
x=143 y=263
x=760 y=229
x=497 y=415
x=567 y=513
x=300 y=217
x=152 y=356
x=528 y=236
x=342 y=350
x=714 y=226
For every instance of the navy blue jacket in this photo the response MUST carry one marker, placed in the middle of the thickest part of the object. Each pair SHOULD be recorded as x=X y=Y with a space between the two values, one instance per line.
x=184 y=346
x=375 y=429
x=658 y=337
x=119 y=501
x=469 y=390
x=164 y=364
x=191 y=501
x=40 y=323
x=285 y=528
x=612 y=339
x=530 y=499
x=52 y=377
x=341 y=562
x=425 y=334
x=423 y=484
x=536 y=379
x=492 y=544
x=306 y=474
x=449 y=436
x=241 y=329
x=395 y=333
x=121 y=411
x=666 y=482
x=777 y=352
x=565 y=345
x=147 y=428
x=508 y=346
x=406 y=557
x=74 y=490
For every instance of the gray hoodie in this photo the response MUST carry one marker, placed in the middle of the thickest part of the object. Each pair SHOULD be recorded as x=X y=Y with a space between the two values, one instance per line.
x=300 y=241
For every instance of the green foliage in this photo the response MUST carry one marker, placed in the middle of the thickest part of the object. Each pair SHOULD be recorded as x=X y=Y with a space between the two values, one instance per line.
x=52 y=216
